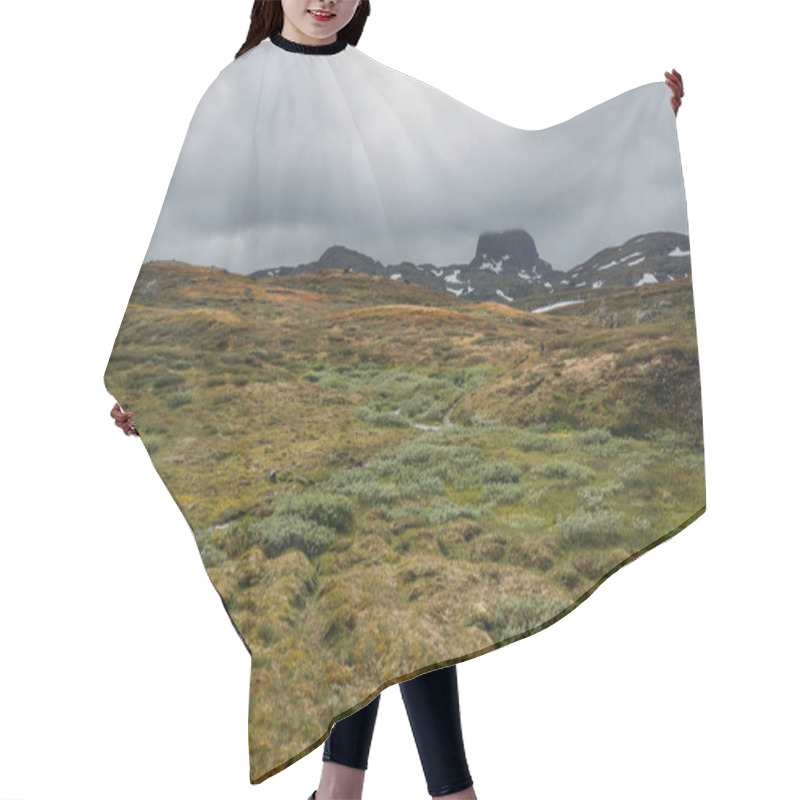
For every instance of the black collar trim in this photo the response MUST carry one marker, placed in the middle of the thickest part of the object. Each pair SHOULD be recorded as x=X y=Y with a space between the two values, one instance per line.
x=308 y=49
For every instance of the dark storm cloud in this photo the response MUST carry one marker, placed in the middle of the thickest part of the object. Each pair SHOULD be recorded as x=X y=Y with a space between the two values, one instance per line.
x=287 y=155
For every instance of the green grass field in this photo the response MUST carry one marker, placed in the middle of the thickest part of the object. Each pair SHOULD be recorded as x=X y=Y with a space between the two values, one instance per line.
x=382 y=477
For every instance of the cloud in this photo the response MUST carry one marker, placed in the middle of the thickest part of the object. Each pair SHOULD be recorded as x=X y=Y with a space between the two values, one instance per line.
x=288 y=154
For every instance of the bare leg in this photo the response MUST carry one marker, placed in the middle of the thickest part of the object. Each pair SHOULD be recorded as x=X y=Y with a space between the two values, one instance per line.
x=466 y=794
x=339 y=782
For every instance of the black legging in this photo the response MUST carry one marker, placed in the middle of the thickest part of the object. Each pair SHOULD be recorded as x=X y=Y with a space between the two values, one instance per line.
x=432 y=706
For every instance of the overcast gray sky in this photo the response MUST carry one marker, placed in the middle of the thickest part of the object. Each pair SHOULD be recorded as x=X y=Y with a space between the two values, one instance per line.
x=288 y=154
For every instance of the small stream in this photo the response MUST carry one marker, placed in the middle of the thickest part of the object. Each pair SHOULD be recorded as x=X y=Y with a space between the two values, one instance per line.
x=445 y=420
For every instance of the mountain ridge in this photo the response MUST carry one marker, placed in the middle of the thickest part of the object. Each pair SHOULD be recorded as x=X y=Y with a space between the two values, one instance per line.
x=507 y=267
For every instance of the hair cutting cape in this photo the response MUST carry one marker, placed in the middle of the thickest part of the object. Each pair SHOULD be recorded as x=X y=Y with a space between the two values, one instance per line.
x=419 y=381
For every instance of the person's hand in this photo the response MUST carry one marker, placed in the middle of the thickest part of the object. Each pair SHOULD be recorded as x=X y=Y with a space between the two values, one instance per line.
x=122 y=419
x=675 y=82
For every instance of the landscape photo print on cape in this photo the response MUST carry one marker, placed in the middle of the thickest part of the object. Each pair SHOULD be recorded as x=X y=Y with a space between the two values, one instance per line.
x=418 y=385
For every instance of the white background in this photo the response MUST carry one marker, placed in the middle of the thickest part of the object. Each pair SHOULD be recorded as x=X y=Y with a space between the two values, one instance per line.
x=121 y=676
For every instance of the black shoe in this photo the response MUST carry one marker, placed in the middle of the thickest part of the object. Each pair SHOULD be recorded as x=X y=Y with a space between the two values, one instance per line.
x=313 y=795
